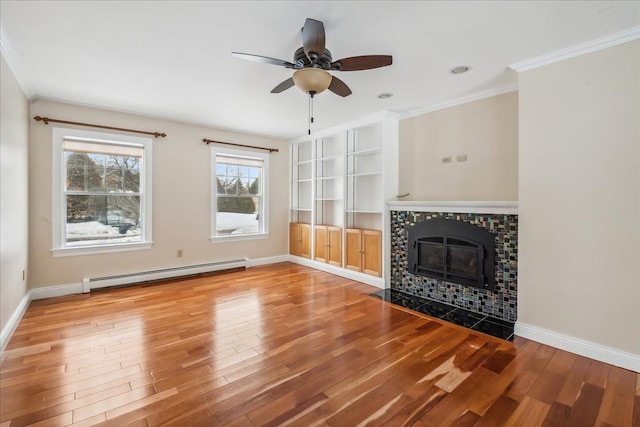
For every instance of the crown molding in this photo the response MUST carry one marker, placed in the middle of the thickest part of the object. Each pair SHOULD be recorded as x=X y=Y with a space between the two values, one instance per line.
x=10 y=56
x=577 y=50
x=458 y=101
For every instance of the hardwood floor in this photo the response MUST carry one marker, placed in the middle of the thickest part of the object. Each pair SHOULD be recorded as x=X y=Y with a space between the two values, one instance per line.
x=287 y=345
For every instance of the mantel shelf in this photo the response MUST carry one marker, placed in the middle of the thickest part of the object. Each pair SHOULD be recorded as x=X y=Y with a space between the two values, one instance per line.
x=488 y=207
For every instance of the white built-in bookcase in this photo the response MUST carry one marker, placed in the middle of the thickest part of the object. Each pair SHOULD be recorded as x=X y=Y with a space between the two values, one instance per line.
x=343 y=177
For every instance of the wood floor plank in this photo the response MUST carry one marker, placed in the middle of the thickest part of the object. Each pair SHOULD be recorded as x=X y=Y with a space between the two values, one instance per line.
x=499 y=412
x=521 y=385
x=557 y=416
x=618 y=399
x=585 y=410
x=547 y=387
x=572 y=385
x=530 y=413
x=286 y=345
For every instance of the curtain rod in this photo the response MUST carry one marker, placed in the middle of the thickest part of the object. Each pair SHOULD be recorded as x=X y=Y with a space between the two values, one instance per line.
x=210 y=141
x=46 y=121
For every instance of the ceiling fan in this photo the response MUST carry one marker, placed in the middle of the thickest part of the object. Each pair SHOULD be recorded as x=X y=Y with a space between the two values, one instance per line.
x=313 y=62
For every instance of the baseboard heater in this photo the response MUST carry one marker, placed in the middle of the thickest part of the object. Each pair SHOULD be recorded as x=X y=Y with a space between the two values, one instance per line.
x=167 y=273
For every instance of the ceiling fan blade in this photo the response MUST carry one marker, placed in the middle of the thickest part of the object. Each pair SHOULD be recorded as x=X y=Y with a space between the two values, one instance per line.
x=313 y=39
x=283 y=86
x=365 y=62
x=339 y=87
x=263 y=59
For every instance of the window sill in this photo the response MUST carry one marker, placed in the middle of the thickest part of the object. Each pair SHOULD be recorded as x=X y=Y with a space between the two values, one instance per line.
x=240 y=237
x=92 y=250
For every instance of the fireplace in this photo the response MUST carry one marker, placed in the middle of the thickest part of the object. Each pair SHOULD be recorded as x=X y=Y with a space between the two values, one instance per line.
x=500 y=219
x=453 y=251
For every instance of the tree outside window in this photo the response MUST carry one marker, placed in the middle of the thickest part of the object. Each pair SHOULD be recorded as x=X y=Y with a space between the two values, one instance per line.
x=101 y=184
x=239 y=195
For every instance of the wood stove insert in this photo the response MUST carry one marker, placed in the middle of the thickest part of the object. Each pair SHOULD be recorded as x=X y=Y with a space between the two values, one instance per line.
x=453 y=251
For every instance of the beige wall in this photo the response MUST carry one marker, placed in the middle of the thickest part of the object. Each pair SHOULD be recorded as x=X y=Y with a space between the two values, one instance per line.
x=181 y=200
x=485 y=130
x=14 y=197
x=579 y=198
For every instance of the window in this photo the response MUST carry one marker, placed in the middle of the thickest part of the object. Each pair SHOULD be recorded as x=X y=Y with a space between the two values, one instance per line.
x=101 y=192
x=239 y=188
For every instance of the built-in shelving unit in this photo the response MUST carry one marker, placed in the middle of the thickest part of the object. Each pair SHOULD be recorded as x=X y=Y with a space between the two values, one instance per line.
x=329 y=175
x=340 y=180
x=301 y=183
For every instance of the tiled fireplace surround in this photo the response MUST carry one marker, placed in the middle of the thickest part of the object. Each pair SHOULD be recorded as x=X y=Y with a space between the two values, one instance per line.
x=499 y=218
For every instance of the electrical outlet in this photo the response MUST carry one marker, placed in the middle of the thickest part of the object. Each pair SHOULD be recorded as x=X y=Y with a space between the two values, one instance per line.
x=461 y=158
x=446 y=160
x=179 y=253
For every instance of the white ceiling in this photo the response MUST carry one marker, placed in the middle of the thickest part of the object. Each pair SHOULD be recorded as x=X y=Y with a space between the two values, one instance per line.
x=172 y=59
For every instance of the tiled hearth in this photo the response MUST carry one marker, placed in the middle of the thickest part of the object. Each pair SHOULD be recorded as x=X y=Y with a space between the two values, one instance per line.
x=476 y=305
x=478 y=322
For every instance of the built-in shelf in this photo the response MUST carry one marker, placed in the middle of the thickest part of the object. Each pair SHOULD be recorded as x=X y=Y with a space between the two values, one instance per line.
x=364 y=174
x=328 y=198
x=302 y=162
x=320 y=178
x=302 y=180
x=365 y=152
x=328 y=158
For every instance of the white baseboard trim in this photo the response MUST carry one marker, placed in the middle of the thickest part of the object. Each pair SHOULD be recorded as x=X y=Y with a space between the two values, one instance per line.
x=378 y=282
x=56 y=291
x=14 y=320
x=584 y=348
x=267 y=260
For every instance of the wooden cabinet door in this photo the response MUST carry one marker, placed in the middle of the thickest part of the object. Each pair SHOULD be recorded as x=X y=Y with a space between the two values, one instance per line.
x=294 y=239
x=334 y=255
x=371 y=255
x=353 y=254
x=305 y=240
x=321 y=244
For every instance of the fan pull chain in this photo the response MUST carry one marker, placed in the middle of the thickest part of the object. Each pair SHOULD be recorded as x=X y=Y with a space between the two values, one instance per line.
x=309 y=115
x=310 y=111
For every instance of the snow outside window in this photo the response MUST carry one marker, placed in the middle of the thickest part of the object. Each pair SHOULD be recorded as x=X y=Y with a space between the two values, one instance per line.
x=101 y=194
x=239 y=189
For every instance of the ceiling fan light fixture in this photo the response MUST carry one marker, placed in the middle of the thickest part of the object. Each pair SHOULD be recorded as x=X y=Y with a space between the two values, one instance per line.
x=312 y=80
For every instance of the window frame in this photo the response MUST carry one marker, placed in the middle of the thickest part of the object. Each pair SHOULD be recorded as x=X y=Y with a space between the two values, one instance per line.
x=264 y=210
x=59 y=217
